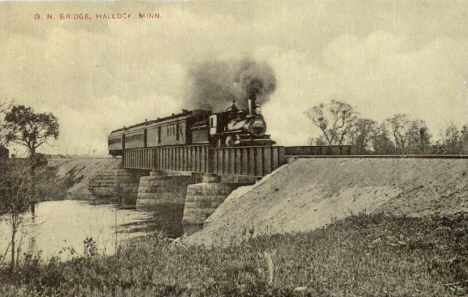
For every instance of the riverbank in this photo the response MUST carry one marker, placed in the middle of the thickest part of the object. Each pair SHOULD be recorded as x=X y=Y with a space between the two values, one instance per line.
x=363 y=255
x=69 y=178
x=81 y=171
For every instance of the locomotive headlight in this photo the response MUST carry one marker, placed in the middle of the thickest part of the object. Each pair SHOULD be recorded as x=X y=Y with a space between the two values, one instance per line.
x=257 y=127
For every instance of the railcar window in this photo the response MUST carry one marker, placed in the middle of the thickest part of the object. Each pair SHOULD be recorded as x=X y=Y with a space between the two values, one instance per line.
x=159 y=134
x=134 y=137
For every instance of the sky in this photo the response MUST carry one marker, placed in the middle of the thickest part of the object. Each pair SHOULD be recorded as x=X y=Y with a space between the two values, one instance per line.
x=97 y=75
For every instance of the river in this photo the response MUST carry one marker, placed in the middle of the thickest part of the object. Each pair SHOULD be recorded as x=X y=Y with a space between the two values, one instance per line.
x=57 y=227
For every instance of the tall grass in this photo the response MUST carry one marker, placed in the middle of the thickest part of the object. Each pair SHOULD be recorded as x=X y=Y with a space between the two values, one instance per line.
x=364 y=255
x=50 y=187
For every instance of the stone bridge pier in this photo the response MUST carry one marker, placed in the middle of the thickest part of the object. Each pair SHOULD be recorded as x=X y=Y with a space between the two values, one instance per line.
x=200 y=195
x=203 y=199
x=161 y=189
x=116 y=184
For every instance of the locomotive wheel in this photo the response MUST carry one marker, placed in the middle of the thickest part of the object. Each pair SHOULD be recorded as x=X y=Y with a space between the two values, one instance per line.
x=229 y=141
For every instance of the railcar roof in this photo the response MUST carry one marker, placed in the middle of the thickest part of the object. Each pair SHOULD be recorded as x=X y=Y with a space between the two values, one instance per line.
x=184 y=113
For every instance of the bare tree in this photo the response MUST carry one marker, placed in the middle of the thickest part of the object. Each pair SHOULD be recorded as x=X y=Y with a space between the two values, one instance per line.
x=464 y=139
x=5 y=106
x=335 y=120
x=362 y=134
x=409 y=136
x=318 y=140
x=419 y=138
x=15 y=198
x=451 y=142
x=381 y=141
x=398 y=125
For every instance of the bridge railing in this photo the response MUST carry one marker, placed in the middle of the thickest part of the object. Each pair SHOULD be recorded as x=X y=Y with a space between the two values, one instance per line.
x=176 y=158
x=252 y=161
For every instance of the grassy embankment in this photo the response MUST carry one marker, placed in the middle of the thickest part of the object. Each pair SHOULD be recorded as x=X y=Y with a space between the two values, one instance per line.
x=51 y=187
x=69 y=178
x=364 y=255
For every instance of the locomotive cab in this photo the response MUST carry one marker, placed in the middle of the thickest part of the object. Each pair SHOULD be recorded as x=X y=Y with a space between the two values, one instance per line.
x=236 y=127
x=213 y=124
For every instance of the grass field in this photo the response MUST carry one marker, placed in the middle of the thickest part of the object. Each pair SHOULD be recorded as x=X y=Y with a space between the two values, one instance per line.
x=364 y=255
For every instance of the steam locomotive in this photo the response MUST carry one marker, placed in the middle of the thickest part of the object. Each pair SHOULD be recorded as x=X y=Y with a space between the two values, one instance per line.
x=233 y=127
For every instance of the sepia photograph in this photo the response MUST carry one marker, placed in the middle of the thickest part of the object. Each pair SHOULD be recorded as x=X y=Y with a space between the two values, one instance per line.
x=233 y=148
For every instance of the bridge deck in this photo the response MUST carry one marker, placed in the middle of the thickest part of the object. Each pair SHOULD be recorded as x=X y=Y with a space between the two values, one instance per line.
x=250 y=161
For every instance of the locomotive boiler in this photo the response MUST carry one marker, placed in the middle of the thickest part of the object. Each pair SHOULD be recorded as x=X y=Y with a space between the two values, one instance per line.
x=233 y=127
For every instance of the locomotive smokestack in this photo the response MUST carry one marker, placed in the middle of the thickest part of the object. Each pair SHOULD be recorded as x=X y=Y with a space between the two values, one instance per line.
x=251 y=103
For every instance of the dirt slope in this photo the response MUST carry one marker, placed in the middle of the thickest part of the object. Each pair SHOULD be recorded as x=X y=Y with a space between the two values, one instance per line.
x=79 y=172
x=310 y=193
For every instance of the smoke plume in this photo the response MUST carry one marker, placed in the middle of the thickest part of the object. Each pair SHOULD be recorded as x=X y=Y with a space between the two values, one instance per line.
x=215 y=84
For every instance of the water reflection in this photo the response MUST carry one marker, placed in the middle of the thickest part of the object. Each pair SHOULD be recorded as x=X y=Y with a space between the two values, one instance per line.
x=55 y=227
x=167 y=219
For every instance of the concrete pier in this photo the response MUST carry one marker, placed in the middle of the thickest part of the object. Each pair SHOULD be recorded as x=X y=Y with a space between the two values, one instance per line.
x=162 y=189
x=203 y=198
x=116 y=183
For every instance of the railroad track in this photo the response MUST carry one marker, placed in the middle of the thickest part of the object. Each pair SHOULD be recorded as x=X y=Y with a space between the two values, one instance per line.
x=346 y=151
x=379 y=156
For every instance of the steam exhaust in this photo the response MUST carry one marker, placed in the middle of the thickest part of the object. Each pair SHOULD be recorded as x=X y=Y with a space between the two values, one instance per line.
x=214 y=84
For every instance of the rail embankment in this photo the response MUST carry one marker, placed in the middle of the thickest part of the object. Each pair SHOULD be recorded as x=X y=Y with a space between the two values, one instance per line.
x=312 y=193
x=73 y=175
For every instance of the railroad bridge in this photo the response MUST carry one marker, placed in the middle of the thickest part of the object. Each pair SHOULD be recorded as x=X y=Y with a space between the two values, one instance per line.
x=197 y=177
x=252 y=161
